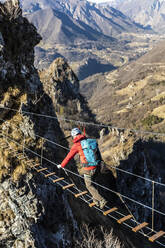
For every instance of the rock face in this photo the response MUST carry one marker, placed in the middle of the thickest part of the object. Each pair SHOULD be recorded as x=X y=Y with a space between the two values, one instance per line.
x=106 y=20
x=31 y=214
x=127 y=152
x=148 y=13
x=62 y=85
x=34 y=212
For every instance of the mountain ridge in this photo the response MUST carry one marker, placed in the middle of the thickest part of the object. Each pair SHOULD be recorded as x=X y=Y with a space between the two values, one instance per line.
x=108 y=20
x=57 y=27
x=149 y=13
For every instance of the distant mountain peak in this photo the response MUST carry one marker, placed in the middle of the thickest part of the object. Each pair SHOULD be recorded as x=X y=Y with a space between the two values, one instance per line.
x=107 y=21
x=147 y=13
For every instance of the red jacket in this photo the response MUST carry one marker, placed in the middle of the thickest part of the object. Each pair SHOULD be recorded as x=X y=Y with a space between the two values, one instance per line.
x=76 y=148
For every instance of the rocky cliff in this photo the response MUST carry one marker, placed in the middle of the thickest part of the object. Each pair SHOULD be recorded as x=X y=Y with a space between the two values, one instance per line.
x=138 y=156
x=33 y=212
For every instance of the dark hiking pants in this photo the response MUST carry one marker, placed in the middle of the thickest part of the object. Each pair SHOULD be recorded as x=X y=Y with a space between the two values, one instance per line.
x=88 y=178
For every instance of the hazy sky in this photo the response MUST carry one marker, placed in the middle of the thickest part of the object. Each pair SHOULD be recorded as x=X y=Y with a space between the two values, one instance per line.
x=98 y=1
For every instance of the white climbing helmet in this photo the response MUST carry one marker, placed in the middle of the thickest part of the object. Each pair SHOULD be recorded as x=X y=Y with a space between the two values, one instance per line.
x=75 y=131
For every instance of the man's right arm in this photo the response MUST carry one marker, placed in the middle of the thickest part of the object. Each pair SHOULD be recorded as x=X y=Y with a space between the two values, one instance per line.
x=70 y=155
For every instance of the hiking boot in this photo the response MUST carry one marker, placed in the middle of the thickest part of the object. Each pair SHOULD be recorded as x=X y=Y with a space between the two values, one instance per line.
x=96 y=202
x=102 y=203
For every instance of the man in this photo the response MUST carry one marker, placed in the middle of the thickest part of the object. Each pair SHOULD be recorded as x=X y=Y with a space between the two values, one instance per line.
x=87 y=169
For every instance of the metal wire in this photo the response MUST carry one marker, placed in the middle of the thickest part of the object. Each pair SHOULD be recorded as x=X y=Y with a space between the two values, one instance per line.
x=86 y=123
x=126 y=197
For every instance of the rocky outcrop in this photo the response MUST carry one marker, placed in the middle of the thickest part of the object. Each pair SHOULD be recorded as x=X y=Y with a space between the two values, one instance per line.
x=127 y=152
x=34 y=212
x=62 y=85
x=31 y=212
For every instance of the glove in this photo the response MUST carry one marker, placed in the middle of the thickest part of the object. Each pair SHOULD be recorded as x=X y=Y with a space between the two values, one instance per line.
x=59 y=166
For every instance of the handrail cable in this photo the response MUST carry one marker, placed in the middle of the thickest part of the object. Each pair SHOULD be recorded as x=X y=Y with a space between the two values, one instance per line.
x=161 y=184
x=109 y=189
x=126 y=224
x=124 y=171
x=112 y=191
x=82 y=198
x=84 y=122
x=146 y=235
x=127 y=172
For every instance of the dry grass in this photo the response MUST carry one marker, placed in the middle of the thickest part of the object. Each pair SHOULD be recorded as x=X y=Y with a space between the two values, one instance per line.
x=19 y=171
x=7 y=215
x=158 y=97
x=125 y=101
x=124 y=110
x=113 y=150
x=10 y=94
x=9 y=164
x=160 y=111
x=133 y=88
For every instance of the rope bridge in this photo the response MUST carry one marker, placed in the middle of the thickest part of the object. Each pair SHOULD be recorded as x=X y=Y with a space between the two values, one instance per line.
x=128 y=220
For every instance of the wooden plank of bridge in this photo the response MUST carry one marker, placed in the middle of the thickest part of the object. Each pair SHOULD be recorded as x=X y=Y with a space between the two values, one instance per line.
x=68 y=186
x=80 y=194
x=43 y=169
x=20 y=155
x=120 y=221
x=139 y=227
x=21 y=158
x=34 y=165
x=13 y=151
x=110 y=211
x=30 y=161
x=92 y=204
x=58 y=179
x=50 y=174
x=156 y=236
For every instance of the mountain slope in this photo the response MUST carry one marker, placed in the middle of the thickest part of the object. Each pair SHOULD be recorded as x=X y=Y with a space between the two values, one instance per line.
x=107 y=20
x=134 y=94
x=148 y=12
x=57 y=27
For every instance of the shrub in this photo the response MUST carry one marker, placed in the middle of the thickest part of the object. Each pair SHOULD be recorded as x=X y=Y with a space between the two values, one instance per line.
x=151 y=120
x=90 y=238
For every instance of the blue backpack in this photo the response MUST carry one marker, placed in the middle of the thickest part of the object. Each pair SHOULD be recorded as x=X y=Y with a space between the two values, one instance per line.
x=91 y=152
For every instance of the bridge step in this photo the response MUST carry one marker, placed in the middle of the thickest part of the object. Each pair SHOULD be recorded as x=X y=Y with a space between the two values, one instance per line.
x=58 y=179
x=21 y=158
x=110 y=211
x=120 y=221
x=14 y=151
x=156 y=236
x=139 y=227
x=30 y=161
x=92 y=204
x=43 y=169
x=34 y=165
x=50 y=174
x=68 y=186
x=80 y=194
